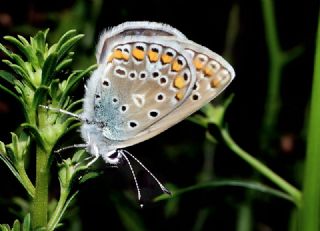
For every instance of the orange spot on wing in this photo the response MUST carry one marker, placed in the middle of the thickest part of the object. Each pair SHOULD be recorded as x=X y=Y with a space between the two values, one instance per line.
x=208 y=71
x=176 y=66
x=166 y=58
x=179 y=95
x=138 y=54
x=198 y=64
x=215 y=83
x=179 y=82
x=153 y=56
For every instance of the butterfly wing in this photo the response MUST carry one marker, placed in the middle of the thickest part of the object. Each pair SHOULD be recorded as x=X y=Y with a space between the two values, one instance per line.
x=141 y=81
x=140 y=28
x=213 y=75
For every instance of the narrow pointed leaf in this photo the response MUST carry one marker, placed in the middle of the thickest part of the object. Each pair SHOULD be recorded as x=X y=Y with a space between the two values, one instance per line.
x=68 y=35
x=26 y=223
x=7 y=76
x=10 y=93
x=16 y=226
x=73 y=80
x=35 y=133
x=5 y=50
x=11 y=168
x=49 y=67
x=26 y=50
x=67 y=46
x=39 y=96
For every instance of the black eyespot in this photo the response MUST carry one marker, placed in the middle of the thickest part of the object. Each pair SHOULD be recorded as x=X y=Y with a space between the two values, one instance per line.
x=97 y=96
x=132 y=75
x=155 y=74
x=114 y=100
x=132 y=124
x=153 y=114
x=179 y=61
x=141 y=48
x=126 y=50
x=163 y=80
x=123 y=108
x=105 y=83
x=142 y=75
x=185 y=76
x=155 y=50
x=160 y=97
x=170 y=53
x=120 y=72
x=195 y=97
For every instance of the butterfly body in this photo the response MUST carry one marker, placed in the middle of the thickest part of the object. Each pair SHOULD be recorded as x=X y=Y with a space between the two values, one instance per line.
x=149 y=77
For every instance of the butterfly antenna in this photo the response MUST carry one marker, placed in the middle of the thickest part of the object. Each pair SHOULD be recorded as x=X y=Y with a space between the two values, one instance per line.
x=164 y=189
x=134 y=177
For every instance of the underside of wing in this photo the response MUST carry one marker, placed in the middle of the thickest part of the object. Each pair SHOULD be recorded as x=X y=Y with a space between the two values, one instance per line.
x=213 y=75
x=142 y=81
x=138 y=28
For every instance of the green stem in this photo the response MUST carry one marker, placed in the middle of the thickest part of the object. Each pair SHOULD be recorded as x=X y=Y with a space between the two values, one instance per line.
x=40 y=202
x=26 y=180
x=310 y=212
x=263 y=169
x=56 y=216
x=278 y=59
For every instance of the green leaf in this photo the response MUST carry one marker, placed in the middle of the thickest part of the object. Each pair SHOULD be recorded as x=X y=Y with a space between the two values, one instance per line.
x=25 y=49
x=2 y=148
x=11 y=168
x=3 y=88
x=229 y=183
x=5 y=50
x=7 y=76
x=62 y=65
x=4 y=227
x=21 y=72
x=54 y=90
x=40 y=41
x=16 y=226
x=40 y=97
x=67 y=46
x=26 y=223
x=74 y=79
x=66 y=205
x=35 y=133
x=64 y=38
x=49 y=67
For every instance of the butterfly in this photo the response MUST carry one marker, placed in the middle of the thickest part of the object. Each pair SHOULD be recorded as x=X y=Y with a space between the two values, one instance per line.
x=149 y=77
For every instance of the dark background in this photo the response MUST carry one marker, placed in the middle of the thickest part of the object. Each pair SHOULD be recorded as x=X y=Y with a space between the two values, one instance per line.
x=176 y=156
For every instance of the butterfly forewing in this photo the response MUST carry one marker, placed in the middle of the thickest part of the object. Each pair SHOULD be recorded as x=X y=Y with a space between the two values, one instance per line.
x=141 y=83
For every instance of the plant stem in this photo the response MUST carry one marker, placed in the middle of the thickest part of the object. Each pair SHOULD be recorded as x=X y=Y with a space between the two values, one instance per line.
x=40 y=202
x=310 y=211
x=263 y=169
x=26 y=180
x=56 y=216
x=278 y=59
